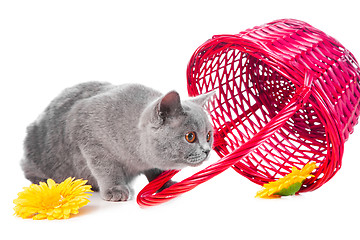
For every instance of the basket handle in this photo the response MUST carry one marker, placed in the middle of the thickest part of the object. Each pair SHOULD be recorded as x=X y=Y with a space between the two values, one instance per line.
x=149 y=196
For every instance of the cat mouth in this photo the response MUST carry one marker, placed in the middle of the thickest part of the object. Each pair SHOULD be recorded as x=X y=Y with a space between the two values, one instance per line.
x=196 y=160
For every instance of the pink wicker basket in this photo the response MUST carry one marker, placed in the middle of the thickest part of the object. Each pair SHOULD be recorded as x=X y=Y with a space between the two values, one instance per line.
x=287 y=94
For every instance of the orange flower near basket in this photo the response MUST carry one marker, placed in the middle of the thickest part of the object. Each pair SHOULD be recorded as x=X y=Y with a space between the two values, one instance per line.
x=51 y=200
x=289 y=184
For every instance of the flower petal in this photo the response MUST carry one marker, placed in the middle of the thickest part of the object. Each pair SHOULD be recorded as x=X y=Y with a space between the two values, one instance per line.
x=51 y=183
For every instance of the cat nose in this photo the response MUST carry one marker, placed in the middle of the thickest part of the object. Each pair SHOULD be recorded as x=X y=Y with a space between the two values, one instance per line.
x=206 y=151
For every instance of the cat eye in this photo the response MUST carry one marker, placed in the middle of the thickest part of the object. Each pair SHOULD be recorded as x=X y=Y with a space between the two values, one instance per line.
x=208 y=137
x=190 y=137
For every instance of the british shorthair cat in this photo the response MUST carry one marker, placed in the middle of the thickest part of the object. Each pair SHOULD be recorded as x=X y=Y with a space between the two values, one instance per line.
x=110 y=134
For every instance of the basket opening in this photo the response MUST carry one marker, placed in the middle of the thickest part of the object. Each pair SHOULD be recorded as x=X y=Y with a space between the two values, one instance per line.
x=249 y=94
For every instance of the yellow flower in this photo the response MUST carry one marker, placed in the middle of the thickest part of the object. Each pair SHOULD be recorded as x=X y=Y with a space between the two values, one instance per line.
x=52 y=200
x=287 y=185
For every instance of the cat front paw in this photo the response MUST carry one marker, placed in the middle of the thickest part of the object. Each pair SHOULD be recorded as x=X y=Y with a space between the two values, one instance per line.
x=116 y=193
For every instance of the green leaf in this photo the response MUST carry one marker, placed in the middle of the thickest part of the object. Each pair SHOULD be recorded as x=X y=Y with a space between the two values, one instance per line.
x=291 y=190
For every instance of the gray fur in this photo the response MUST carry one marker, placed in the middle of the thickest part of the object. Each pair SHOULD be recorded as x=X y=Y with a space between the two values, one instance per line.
x=110 y=134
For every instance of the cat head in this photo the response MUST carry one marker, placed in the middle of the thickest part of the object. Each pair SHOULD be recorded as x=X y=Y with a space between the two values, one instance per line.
x=175 y=133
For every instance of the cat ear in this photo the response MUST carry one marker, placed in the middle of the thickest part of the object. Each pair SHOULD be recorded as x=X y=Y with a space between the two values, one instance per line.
x=203 y=98
x=170 y=105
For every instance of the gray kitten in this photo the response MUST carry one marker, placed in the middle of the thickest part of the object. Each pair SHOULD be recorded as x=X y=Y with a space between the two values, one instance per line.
x=110 y=134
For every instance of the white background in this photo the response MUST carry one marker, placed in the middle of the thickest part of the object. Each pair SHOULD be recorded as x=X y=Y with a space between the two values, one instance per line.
x=46 y=46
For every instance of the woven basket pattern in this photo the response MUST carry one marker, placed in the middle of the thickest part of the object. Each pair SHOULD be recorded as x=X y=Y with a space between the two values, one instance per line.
x=287 y=94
